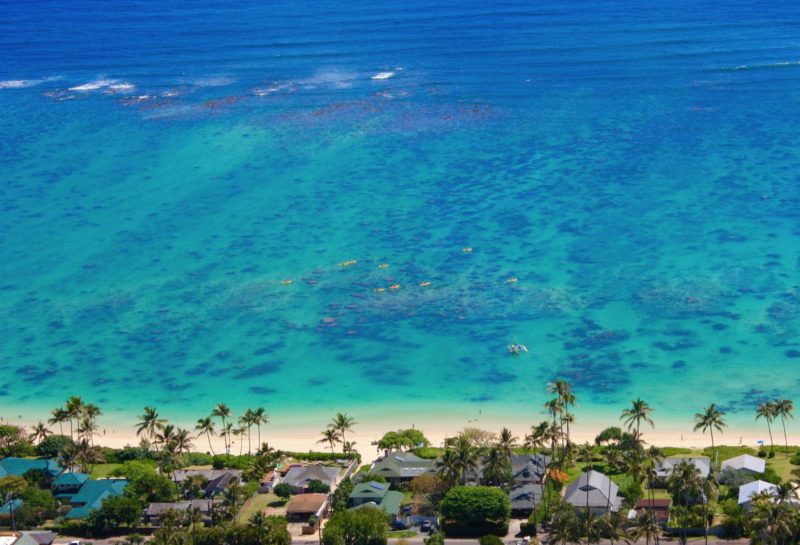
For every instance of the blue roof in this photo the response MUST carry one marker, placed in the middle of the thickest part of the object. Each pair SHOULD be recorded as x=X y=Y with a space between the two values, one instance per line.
x=92 y=494
x=20 y=466
x=71 y=479
x=13 y=504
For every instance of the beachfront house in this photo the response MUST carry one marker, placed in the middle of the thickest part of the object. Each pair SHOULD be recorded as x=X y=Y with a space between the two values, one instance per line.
x=666 y=466
x=524 y=498
x=302 y=506
x=268 y=481
x=745 y=463
x=529 y=468
x=20 y=466
x=402 y=467
x=300 y=477
x=377 y=495
x=91 y=495
x=27 y=538
x=747 y=491
x=594 y=492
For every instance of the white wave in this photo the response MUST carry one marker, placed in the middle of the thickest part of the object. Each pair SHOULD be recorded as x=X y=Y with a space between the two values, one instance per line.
x=212 y=81
x=17 y=83
x=382 y=75
x=338 y=79
x=94 y=85
x=785 y=64
x=121 y=87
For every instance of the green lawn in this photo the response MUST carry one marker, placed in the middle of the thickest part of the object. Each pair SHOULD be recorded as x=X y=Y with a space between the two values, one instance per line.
x=780 y=463
x=259 y=502
x=101 y=471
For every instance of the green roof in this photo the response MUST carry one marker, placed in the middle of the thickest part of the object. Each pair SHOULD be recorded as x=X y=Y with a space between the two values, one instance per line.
x=20 y=466
x=92 y=494
x=371 y=491
x=391 y=502
x=70 y=479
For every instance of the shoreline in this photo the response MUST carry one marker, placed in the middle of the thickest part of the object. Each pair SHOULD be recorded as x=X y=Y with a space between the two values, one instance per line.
x=302 y=433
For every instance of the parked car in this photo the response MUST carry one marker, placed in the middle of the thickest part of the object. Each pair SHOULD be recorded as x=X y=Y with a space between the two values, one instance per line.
x=426 y=526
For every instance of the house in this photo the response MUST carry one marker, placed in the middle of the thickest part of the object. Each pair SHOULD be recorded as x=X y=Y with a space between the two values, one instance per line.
x=217 y=480
x=745 y=462
x=91 y=495
x=27 y=538
x=529 y=468
x=20 y=466
x=659 y=508
x=595 y=492
x=300 y=477
x=402 y=466
x=154 y=511
x=68 y=484
x=524 y=498
x=302 y=506
x=268 y=482
x=667 y=465
x=378 y=495
x=747 y=491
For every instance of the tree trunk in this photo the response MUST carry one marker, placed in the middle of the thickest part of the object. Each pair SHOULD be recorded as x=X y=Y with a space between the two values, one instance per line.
x=208 y=435
x=785 y=440
x=771 y=444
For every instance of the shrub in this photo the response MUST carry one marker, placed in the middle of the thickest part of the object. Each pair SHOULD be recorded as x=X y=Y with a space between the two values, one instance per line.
x=436 y=538
x=795 y=459
x=762 y=453
x=490 y=539
x=282 y=490
x=429 y=453
x=320 y=456
x=363 y=526
x=318 y=487
x=52 y=445
x=475 y=511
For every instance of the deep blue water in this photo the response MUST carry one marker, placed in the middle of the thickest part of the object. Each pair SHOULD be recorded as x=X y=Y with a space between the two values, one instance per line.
x=166 y=167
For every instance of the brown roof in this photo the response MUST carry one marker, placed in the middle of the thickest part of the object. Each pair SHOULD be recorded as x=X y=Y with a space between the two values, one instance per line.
x=655 y=504
x=306 y=503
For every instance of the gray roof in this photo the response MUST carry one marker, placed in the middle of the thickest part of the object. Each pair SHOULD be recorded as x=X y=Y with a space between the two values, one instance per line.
x=402 y=465
x=158 y=508
x=602 y=491
x=209 y=474
x=42 y=538
x=666 y=466
x=526 y=496
x=300 y=476
x=746 y=491
x=745 y=462
x=529 y=467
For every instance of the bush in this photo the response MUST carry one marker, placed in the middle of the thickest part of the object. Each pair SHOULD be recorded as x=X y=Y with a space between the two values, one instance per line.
x=771 y=454
x=318 y=487
x=762 y=453
x=363 y=526
x=795 y=459
x=436 y=538
x=52 y=445
x=320 y=456
x=490 y=539
x=475 y=511
x=282 y=490
x=429 y=453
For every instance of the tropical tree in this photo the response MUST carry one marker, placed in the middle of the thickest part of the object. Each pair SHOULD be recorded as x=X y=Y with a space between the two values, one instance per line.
x=59 y=417
x=709 y=420
x=342 y=423
x=223 y=412
x=613 y=527
x=149 y=423
x=536 y=439
x=497 y=467
x=39 y=432
x=766 y=410
x=771 y=523
x=565 y=527
x=260 y=417
x=246 y=420
x=507 y=442
x=633 y=417
x=566 y=396
x=331 y=436
x=784 y=409
x=205 y=426
x=73 y=408
x=645 y=526
x=685 y=485
x=466 y=456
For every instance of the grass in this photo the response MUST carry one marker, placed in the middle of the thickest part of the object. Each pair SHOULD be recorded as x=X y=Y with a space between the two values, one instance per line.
x=658 y=494
x=101 y=471
x=402 y=534
x=725 y=452
x=780 y=463
x=258 y=503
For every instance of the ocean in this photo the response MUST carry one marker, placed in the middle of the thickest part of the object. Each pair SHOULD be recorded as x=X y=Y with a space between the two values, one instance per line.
x=245 y=202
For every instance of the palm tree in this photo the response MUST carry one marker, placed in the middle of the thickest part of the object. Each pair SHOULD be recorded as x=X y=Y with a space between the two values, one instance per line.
x=59 y=417
x=784 y=408
x=260 y=417
x=342 y=423
x=771 y=522
x=565 y=527
x=613 y=527
x=684 y=484
x=507 y=441
x=226 y=434
x=240 y=432
x=73 y=408
x=563 y=390
x=205 y=426
x=535 y=439
x=247 y=421
x=223 y=412
x=646 y=526
x=710 y=419
x=39 y=433
x=766 y=410
x=466 y=455
x=87 y=429
x=149 y=423
x=331 y=436
x=497 y=467
x=639 y=412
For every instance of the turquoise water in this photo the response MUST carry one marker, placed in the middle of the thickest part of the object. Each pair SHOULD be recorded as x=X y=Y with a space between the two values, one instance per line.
x=164 y=170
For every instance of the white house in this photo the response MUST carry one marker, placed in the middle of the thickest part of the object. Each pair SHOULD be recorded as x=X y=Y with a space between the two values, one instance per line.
x=745 y=462
x=747 y=491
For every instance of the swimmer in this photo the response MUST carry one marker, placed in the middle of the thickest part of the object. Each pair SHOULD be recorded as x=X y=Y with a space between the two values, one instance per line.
x=394 y=287
x=383 y=266
x=466 y=250
x=286 y=282
x=424 y=284
x=380 y=290
x=512 y=280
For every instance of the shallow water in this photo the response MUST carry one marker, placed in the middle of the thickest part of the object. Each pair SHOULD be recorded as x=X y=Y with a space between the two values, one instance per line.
x=165 y=168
